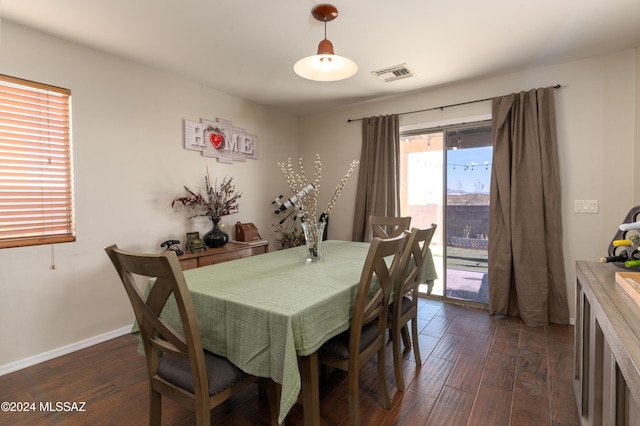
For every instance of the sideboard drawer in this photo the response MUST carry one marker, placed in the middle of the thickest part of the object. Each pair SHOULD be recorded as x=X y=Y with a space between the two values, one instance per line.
x=258 y=250
x=224 y=257
x=230 y=251
x=189 y=263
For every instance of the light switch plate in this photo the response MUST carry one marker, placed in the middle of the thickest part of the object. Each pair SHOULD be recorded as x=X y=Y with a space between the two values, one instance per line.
x=585 y=206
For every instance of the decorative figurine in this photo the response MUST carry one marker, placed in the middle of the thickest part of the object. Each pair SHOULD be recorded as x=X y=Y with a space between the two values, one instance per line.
x=169 y=244
x=194 y=242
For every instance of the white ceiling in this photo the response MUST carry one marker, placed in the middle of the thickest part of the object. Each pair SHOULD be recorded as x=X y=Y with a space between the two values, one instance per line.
x=247 y=48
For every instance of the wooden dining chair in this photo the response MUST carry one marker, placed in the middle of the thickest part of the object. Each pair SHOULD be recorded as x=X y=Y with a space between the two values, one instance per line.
x=387 y=226
x=404 y=307
x=178 y=367
x=350 y=350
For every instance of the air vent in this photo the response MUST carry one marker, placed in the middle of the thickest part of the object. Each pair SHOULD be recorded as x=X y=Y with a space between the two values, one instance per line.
x=394 y=73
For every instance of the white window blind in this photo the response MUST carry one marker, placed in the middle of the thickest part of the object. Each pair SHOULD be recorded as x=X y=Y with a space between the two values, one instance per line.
x=36 y=194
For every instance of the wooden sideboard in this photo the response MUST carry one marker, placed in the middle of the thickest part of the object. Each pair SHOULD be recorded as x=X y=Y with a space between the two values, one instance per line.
x=607 y=348
x=230 y=251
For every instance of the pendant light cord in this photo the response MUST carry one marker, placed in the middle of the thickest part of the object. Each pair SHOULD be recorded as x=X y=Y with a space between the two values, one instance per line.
x=325 y=27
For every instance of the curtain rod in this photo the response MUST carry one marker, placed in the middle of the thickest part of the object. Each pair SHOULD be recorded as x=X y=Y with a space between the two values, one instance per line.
x=557 y=86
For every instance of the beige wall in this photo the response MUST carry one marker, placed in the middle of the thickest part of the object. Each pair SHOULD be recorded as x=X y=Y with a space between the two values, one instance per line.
x=129 y=165
x=636 y=151
x=595 y=116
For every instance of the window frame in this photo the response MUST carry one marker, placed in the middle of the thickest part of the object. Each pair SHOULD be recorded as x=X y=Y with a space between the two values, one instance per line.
x=36 y=167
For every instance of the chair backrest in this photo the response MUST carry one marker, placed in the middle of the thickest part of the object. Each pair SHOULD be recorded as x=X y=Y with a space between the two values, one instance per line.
x=413 y=258
x=384 y=263
x=388 y=227
x=157 y=335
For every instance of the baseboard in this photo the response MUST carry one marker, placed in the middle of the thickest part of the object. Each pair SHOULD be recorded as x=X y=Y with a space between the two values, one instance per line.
x=46 y=356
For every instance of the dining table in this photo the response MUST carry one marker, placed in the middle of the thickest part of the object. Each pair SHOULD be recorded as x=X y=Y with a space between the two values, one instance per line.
x=270 y=313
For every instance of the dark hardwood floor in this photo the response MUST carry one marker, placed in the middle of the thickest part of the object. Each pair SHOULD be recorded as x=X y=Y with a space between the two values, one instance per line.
x=477 y=370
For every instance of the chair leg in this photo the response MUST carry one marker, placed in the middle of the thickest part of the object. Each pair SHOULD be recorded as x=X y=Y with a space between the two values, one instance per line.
x=203 y=413
x=324 y=373
x=405 y=337
x=155 y=408
x=397 y=360
x=382 y=378
x=263 y=386
x=354 y=397
x=416 y=347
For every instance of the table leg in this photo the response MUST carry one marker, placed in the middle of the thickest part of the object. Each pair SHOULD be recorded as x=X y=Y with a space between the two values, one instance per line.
x=310 y=389
x=275 y=389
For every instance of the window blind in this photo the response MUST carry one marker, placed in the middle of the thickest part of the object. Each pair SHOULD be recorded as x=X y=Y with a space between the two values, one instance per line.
x=36 y=196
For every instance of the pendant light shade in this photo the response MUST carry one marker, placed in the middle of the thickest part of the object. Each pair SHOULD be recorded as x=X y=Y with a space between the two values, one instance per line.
x=325 y=65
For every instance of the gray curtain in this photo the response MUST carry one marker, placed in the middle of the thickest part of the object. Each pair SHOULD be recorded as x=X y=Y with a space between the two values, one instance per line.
x=526 y=265
x=379 y=173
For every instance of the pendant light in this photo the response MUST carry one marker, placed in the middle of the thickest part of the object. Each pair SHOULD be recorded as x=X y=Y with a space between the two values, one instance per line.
x=325 y=65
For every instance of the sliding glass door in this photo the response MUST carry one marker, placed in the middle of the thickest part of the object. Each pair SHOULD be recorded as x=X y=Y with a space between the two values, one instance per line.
x=446 y=179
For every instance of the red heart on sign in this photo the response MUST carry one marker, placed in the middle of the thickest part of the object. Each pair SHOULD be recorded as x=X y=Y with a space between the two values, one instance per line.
x=216 y=140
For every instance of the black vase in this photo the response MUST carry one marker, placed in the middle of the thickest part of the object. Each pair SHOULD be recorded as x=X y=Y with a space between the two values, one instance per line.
x=216 y=237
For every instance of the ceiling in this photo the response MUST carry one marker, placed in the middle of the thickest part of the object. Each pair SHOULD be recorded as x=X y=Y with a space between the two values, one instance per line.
x=247 y=48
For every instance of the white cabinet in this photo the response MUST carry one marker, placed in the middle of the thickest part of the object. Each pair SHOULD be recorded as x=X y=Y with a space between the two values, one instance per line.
x=607 y=348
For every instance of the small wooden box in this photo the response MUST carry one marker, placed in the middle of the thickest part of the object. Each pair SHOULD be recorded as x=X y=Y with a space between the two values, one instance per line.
x=246 y=232
x=629 y=282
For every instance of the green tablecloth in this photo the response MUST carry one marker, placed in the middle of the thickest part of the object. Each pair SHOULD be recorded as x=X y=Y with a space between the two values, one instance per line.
x=261 y=312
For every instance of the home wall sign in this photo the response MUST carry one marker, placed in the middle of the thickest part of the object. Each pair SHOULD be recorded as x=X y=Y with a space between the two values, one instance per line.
x=220 y=139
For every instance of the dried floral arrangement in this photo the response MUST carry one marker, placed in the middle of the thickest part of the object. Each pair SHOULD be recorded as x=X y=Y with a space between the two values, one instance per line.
x=217 y=201
x=307 y=205
x=290 y=237
x=297 y=181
